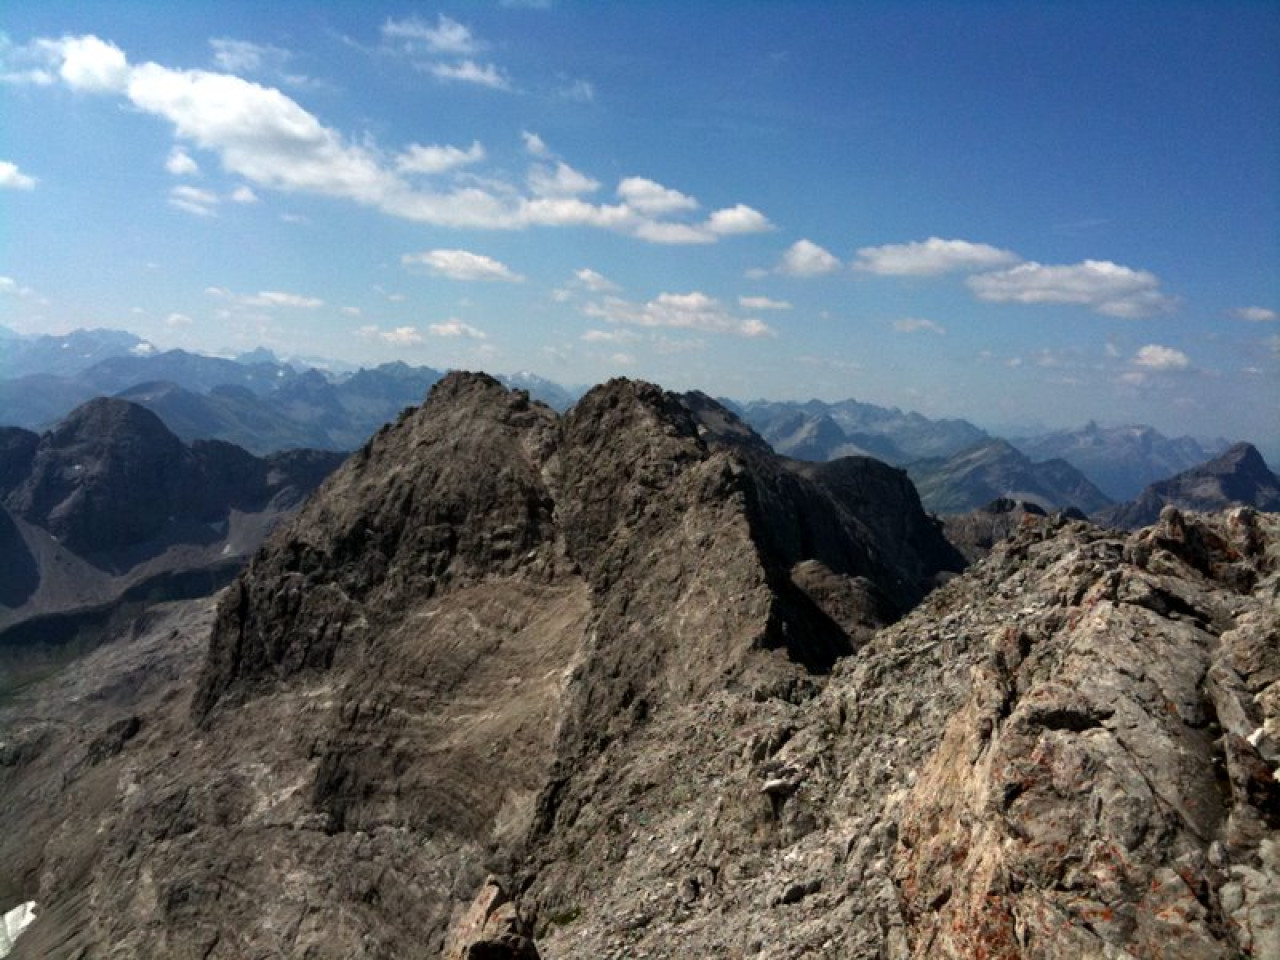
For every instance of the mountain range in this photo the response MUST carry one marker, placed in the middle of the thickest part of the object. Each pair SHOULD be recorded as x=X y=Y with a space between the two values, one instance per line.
x=264 y=404
x=624 y=682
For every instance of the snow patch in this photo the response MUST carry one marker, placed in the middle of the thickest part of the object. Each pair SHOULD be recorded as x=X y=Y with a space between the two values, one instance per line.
x=15 y=921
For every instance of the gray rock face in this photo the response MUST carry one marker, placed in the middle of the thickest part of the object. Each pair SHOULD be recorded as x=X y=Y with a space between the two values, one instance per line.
x=977 y=532
x=516 y=685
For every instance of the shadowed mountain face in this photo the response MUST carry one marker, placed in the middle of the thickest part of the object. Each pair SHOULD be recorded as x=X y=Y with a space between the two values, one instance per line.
x=111 y=506
x=1239 y=477
x=510 y=676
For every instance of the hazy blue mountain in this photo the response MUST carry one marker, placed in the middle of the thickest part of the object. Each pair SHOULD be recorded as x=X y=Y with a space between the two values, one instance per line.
x=554 y=395
x=994 y=469
x=66 y=354
x=815 y=430
x=1121 y=460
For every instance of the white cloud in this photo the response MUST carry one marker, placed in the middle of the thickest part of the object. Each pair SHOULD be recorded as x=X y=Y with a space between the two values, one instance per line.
x=265 y=137
x=402 y=335
x=180 y=164
x=738 y=219
x=653 y=199
x=1252 y=314
x=178 y=320
x=453 y=327
x=806 y=259
x=595 y=282
x=534 y=144
x=11 y=178
x=1105 y=287
x=438 y=159
x=763 y=303
x=916 y=324
x=691 y=311
x=243 y=194
x=560 y=181
x=260 y=133
x=462 y=265
x=90 y=64
x=447 y=36
x=194 y=200
x=1155 y=357
x=931 y=257
x=468 y=71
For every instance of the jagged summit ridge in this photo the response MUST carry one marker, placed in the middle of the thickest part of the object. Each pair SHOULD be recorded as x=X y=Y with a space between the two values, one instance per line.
x=481 y=481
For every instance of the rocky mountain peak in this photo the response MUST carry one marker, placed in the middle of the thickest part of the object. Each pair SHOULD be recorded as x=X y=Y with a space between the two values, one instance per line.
x=1237 y=477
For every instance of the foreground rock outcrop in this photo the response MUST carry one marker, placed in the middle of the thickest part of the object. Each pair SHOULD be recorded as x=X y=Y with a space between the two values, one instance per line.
x=620 y=684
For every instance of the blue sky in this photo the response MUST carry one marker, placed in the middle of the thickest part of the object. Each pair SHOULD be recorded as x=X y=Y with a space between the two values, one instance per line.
x=1014 y=212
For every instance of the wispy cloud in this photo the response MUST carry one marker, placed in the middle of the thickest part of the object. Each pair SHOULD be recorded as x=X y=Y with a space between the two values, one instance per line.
x=446 y=36
x=593 y=281
x=1257 y=314
x=462 y=265
x=918 y=324
x=453 y=327
x=266 y=298
x=438 y=159
x=763 y=303
x=241 y=56
x=203 y=203
x=690 y=311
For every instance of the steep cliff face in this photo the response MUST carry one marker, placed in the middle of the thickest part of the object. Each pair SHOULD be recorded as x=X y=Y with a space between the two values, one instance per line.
x=619 y=683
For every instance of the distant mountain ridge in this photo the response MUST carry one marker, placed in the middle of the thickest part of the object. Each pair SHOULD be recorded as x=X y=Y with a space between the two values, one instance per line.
x=1120 y=460
x=815 y=430
x=1238 y=477
x=994 y=469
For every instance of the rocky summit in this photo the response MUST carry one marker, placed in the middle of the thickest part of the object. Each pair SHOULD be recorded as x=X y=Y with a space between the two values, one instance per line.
x=622 y=683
